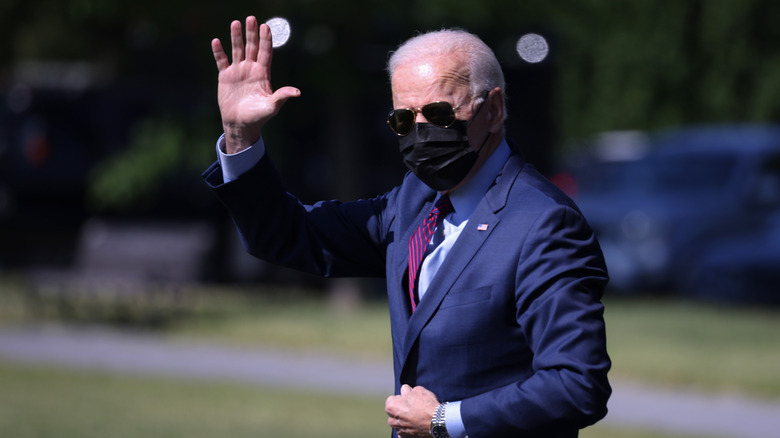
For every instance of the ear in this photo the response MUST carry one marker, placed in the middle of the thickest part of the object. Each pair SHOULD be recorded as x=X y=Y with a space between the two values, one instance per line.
x=495 y=101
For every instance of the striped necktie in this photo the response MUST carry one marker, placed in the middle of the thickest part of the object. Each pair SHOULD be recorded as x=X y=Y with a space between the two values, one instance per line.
x=419 y=242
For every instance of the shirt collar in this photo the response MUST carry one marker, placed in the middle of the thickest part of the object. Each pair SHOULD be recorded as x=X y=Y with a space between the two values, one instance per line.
x=467 y=197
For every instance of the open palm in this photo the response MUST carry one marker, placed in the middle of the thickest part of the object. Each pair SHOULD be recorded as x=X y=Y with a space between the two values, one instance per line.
x=245 y=96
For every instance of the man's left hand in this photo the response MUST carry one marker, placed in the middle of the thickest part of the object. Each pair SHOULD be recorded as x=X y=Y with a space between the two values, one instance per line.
x=410 y=413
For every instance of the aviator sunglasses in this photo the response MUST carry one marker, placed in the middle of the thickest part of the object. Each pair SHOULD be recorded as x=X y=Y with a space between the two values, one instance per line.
x=402 y=120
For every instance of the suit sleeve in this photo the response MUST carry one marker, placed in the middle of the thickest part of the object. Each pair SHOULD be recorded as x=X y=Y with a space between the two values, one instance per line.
x=329 y=238
x=559 y=283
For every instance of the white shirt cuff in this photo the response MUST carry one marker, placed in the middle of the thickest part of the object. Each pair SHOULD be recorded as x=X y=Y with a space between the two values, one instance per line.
x=453 y=421
x=235 y=165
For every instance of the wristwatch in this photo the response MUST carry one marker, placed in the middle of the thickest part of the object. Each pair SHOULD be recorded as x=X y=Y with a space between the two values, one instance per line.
x=438 y=426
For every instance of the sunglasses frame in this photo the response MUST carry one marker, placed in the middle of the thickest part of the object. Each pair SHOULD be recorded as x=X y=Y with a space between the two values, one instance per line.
x=421 y=109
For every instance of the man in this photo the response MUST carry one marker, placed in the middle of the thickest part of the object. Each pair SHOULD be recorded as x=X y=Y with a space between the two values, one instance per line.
x=499 y=330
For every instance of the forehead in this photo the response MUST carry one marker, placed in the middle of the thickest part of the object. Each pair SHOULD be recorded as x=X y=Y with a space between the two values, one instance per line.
x=423 y=80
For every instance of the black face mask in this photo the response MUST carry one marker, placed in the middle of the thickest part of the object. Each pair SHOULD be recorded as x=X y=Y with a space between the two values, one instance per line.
x=440 y=157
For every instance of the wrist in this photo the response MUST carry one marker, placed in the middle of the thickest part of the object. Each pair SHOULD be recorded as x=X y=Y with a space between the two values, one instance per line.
x=239 y=138
x=438 y=422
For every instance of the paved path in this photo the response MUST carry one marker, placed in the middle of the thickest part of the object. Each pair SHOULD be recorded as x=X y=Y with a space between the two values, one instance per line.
x=682 y=412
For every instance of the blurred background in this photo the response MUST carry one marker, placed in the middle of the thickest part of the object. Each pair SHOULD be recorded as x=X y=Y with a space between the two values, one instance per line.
x=658 y=118
x=108 y=116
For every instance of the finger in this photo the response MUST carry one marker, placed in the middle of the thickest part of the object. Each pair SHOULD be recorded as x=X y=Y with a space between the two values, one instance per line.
x=265 y=49
x=281 y=95
x=219 y=54
x=251 y=38
x=237 y=41
x=396 y=424
x=390 y=404
x=405 y=389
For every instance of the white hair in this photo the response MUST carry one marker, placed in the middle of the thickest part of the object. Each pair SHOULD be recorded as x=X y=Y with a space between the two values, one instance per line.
x=484 y=71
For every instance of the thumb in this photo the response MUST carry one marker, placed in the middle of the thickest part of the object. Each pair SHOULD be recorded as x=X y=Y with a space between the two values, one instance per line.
x=406 y=389
x=283 y=94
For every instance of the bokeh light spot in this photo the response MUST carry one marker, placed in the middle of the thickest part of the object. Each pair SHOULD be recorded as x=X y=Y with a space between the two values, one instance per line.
x=533 y=48
x=280 y=30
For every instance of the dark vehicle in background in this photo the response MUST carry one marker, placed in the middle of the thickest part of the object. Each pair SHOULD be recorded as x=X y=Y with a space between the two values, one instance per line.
x=47 y=147
x=697 y=213
x=743 y=268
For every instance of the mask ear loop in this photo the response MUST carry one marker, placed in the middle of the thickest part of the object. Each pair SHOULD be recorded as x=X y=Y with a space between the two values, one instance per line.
x=484 y=99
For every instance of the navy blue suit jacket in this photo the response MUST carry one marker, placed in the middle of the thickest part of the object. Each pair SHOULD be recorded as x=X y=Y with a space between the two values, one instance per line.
x=512 y=324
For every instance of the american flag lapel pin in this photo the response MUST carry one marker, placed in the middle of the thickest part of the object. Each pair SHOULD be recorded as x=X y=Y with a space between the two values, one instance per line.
x=482 y=227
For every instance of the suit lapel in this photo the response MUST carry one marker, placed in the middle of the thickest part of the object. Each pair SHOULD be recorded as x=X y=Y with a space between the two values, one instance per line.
x=481 y=224
x=459 y=257
x=401 y=301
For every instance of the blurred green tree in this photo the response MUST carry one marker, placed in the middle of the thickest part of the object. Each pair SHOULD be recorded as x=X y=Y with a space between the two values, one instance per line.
x=644 y=64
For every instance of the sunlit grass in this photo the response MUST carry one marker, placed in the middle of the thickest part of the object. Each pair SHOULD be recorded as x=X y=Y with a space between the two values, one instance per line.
x=660 y=342
x=38 y=402
x=690 y=344
x=289 y=320
x=663 y=342
x=45 y=402
x=652 y=340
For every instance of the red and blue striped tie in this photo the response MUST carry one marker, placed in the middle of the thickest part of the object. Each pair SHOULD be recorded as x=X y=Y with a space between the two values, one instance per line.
x=419 y=241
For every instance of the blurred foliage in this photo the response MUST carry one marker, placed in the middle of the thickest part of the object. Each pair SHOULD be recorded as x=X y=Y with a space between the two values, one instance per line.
x=156 y=150
x=644 y=64
x=651 y=64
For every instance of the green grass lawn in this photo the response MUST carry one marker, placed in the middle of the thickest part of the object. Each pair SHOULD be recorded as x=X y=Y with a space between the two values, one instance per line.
x=655 y=341
x=297 y=320
x=43 y=402
x=662 y=342
x=685 y=344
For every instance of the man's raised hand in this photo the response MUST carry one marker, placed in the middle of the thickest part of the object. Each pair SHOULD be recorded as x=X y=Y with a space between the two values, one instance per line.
x=246 y=99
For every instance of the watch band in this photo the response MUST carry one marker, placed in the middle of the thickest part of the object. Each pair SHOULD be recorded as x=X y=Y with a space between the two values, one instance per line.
x=438 y=424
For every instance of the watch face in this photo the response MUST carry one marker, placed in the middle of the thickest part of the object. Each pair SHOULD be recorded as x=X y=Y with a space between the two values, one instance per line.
x=439 y=431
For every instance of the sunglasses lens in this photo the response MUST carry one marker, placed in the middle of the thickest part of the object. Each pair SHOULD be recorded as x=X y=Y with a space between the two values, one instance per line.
x=439 y=113
x=401 y=121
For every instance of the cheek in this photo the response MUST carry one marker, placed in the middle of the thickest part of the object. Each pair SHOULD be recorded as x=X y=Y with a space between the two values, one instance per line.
x=477 y=133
